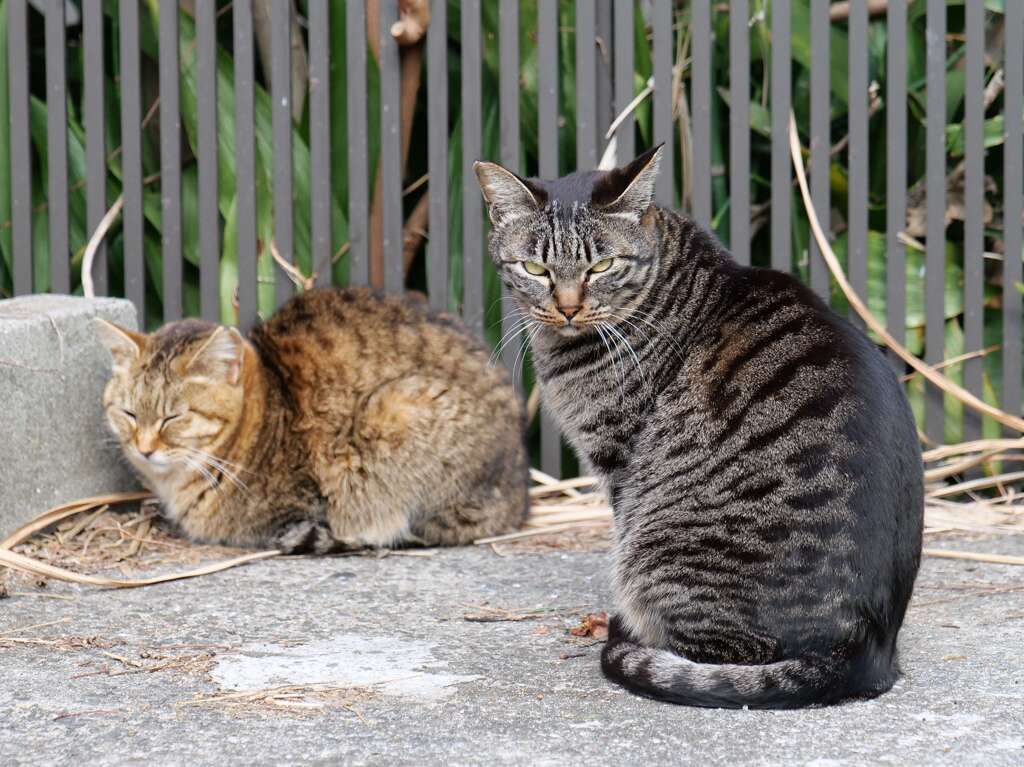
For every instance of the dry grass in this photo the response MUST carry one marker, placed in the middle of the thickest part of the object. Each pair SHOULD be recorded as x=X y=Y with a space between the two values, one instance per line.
x=968 y=491
x=574 y=513
x=292 y=697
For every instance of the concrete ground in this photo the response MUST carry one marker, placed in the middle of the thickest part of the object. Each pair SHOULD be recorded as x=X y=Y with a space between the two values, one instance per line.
x=363 y=660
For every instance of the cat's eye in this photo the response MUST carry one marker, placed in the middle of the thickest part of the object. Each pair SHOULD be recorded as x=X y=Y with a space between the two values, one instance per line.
x=602 y=266
x=127 y=413
x=168 y=419
x=532 y=267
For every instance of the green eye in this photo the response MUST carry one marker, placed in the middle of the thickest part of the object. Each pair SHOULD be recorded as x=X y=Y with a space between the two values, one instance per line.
x=532 y=267
x=602 y=266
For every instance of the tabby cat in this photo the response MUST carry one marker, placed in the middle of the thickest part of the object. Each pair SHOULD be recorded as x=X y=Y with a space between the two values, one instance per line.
x=758 y=451
x=346 y=420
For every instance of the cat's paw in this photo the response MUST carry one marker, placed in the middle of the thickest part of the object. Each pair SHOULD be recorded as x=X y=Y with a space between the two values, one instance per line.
x=306 y=537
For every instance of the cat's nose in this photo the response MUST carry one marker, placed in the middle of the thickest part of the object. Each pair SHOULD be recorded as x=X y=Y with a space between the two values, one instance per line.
x=569 y=311
x=146 y=453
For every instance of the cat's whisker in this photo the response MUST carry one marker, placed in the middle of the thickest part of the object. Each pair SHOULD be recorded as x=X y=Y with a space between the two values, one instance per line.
x=521 y=355
x=636 y=359
x=601 y=329
x=510 y=335
x=219 y=460
x=201 y=470
x=215 y=463
x=643 y=317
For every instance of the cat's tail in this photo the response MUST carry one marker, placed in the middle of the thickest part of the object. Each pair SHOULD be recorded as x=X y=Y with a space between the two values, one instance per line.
x=792 y=683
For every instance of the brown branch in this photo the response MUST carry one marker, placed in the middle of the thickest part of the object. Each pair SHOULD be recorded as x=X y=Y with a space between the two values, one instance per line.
x=415 y=231
x=413 y=15
x=300 y=64
x=841 y=11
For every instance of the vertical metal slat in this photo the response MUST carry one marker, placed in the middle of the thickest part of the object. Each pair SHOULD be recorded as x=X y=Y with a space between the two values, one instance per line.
x=663 y=53
x=547 y=114
x=1013 y=204
x=320 y=139
x=170 y=160
x=57 y=149
x=281 y=127
x=739 y=130
x=508 y=107
x=391 y=149
x=245 y=162
x=21 y=152
x=624 y=90
x=472 y=222
x=586 y=85
x=700 y=110
x=131 y=158
x=605 y=99
x=896 y=174
x=95 y=134
x=358 y=164
x=857 y=209
x=821 y=141
x=781 y=238
x=974 y=199
x=437 y=154
x=209 y=212
x=935 y=183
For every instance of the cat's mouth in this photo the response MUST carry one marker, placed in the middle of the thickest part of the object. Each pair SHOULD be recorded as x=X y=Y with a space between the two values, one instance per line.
x=158 y=461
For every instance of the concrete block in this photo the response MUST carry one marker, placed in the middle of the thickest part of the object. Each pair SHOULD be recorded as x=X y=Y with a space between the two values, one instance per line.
x=54 y=443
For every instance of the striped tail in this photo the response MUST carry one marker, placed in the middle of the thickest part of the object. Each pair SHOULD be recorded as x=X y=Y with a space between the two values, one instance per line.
x=792 y=683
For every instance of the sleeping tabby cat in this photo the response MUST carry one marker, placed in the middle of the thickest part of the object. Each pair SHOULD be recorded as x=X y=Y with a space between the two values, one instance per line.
x=758 y=451
x=344 y=421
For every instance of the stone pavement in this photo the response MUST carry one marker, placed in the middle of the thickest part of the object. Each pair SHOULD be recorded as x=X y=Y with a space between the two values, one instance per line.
x=372 y=661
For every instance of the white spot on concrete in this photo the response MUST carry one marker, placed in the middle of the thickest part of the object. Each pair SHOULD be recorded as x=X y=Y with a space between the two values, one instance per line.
x=401 y=667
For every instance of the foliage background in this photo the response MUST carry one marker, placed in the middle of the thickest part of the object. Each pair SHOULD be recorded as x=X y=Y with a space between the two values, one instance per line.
x=760 y=36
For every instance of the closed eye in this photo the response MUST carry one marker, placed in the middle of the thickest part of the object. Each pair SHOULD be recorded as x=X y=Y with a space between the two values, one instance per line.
x=168 y=419
x=128 y=413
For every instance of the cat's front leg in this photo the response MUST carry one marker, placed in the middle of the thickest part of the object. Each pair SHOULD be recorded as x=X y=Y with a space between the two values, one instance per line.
x=309 y=536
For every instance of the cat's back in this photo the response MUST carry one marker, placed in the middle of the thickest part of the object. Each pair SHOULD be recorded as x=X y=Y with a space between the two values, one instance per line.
x=773 y=345
x=355 y=339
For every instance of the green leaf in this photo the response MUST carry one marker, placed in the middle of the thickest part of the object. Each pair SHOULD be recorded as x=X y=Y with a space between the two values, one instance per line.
x=915 y=271
x=993 y=135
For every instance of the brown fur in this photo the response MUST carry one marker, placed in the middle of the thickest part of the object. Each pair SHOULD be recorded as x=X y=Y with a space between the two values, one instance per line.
x=345 y=420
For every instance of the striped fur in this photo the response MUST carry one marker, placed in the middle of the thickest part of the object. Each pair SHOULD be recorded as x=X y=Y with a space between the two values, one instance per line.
x=759 y=453
x=345 y=420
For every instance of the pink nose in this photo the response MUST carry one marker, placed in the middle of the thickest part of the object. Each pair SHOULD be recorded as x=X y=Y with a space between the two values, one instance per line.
x=569 y=311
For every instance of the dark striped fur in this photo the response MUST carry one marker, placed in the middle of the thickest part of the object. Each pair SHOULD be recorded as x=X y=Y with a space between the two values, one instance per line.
x=758 y=451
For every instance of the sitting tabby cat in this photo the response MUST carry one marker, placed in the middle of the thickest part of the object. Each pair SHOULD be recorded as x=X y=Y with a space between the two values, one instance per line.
x=758 y=451
x=345 y=420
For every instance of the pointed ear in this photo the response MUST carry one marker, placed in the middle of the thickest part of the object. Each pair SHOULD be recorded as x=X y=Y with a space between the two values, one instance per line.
x=629 y=191
x=508 y=196
x=220 y=356
x=125 y=346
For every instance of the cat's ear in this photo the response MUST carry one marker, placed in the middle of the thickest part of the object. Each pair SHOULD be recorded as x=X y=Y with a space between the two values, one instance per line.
x=125 y=346
x=508 y=197
x=220 y=356
x=629 y=191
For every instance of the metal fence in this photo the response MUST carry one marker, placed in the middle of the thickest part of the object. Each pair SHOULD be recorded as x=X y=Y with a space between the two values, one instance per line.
x=605 y=86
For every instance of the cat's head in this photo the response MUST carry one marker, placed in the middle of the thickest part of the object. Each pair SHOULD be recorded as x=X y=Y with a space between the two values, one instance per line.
x=174 y=394
x=578 y=251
